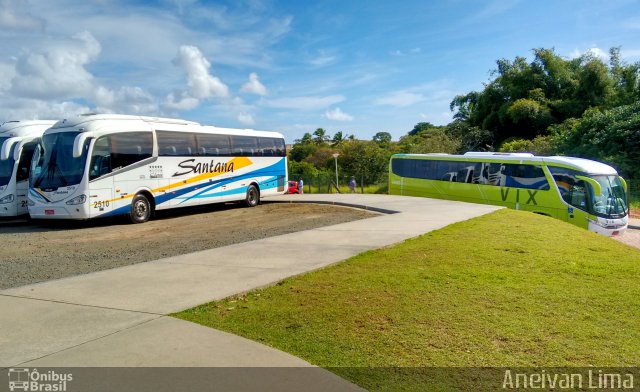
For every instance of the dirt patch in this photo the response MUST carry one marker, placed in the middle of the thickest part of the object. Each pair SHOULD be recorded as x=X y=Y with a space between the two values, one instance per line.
x=38 y=251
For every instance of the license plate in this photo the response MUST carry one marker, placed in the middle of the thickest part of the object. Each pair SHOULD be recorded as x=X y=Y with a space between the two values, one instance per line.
x=49 y=212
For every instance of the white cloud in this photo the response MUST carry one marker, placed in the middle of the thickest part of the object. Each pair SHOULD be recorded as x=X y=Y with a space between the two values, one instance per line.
x=7 y=73
x=59 y=71
x=304 y=103
x=129 y=100
x=594 y=51
x=245 y=119
x=53 y=80
x=400 y=99
x=322 y=59
x=23 y=109
x=180 y=101
x=253 y=86
x=201 y=84
x=337 y=115
x=400 y=53
x=13 y=16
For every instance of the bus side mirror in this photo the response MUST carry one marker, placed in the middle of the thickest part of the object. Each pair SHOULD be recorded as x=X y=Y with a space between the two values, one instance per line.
x=18 y=151
x=6 y=147
x=624 y=184
x=597 y=188
x=78 y=145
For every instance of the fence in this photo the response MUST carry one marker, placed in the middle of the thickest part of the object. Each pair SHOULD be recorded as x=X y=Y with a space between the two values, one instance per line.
x=325 y=183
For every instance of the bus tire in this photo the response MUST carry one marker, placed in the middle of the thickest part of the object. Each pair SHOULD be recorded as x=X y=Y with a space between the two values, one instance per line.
x=253 y=196
x=140 y=209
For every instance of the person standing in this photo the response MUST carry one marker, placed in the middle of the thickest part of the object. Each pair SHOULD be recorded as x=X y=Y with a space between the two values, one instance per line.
x=352 y=185
x=301 y=186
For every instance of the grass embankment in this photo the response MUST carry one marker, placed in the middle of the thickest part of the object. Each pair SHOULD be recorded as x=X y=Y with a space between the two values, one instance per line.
x=506 y=289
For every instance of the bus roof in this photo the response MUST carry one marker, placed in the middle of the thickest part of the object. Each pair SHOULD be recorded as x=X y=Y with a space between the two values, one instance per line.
x=91 y=122
x=25 y=128
x=93 y=117
x=579 y=164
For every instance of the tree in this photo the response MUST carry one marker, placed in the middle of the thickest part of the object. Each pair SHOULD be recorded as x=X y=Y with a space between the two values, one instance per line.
x=530 y=117
x=427 y=142
x=382 y=138
x=611 y=136
x=320 y=136
x=524 y=99
x=322 y=158
x=300 y=151
x=365 y=160
x=470 y=138
x=422 y=127
x=302 y=169
x=626 y=79
x=541 y=145
x=338 y=139
x=306 y=139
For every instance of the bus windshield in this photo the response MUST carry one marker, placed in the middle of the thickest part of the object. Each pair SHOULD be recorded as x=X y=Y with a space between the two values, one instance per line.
x=612 y=202
x=54 y=166
x=6 y=165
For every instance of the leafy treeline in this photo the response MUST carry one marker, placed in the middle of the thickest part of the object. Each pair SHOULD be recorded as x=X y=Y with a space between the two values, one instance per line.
x=551 y=105
x=580 y=107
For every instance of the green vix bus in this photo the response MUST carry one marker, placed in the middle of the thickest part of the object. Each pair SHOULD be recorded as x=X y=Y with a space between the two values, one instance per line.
x=585 y=193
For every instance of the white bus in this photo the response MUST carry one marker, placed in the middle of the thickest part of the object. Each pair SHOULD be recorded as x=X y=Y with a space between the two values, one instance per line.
x=18 y=140
x=106 y=165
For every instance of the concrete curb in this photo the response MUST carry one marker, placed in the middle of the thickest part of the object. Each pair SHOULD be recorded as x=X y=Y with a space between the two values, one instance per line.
x=335 y=203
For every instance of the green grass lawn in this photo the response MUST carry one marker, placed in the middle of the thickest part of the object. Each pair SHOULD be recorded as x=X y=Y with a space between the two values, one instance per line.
x=506 y=289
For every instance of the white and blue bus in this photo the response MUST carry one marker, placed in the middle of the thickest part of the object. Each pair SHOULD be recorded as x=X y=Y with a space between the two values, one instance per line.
x=18 y=140
x=106 y=165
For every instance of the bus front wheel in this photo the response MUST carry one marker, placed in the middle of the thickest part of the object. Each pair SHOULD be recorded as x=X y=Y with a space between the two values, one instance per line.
x=140 y=209
x=253 y=196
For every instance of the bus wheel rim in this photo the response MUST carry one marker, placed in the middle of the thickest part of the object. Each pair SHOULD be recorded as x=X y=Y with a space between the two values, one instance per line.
x=140 y=209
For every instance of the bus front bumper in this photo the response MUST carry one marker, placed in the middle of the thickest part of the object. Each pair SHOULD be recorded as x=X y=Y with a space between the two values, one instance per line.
x=57 y=212
x=613 y=229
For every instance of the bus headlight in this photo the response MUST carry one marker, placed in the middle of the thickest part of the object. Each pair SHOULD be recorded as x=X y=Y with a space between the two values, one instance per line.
x=7 y=199
x=77 y=200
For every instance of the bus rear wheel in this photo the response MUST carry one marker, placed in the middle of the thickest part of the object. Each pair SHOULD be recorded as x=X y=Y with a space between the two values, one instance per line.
x=253 y=196
x=140 y=209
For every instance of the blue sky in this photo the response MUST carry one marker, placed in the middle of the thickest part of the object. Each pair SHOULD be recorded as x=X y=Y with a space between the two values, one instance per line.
x=359 y=67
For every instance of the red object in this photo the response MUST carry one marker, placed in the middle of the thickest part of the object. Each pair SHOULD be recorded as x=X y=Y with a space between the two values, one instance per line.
x=49 y=212
x=293 y=187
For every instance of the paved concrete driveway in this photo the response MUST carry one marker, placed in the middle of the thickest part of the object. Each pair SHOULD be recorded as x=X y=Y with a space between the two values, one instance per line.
x=117 y=317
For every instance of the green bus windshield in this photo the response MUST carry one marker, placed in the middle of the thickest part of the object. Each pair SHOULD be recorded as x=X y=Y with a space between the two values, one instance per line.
x=611 y=203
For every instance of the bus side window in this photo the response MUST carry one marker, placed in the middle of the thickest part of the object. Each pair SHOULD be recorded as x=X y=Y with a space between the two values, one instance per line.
x=244 y=145
x=172 y=143
x=213 y=145
x=130 y=147
x=578 y=195
x=100 y=158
